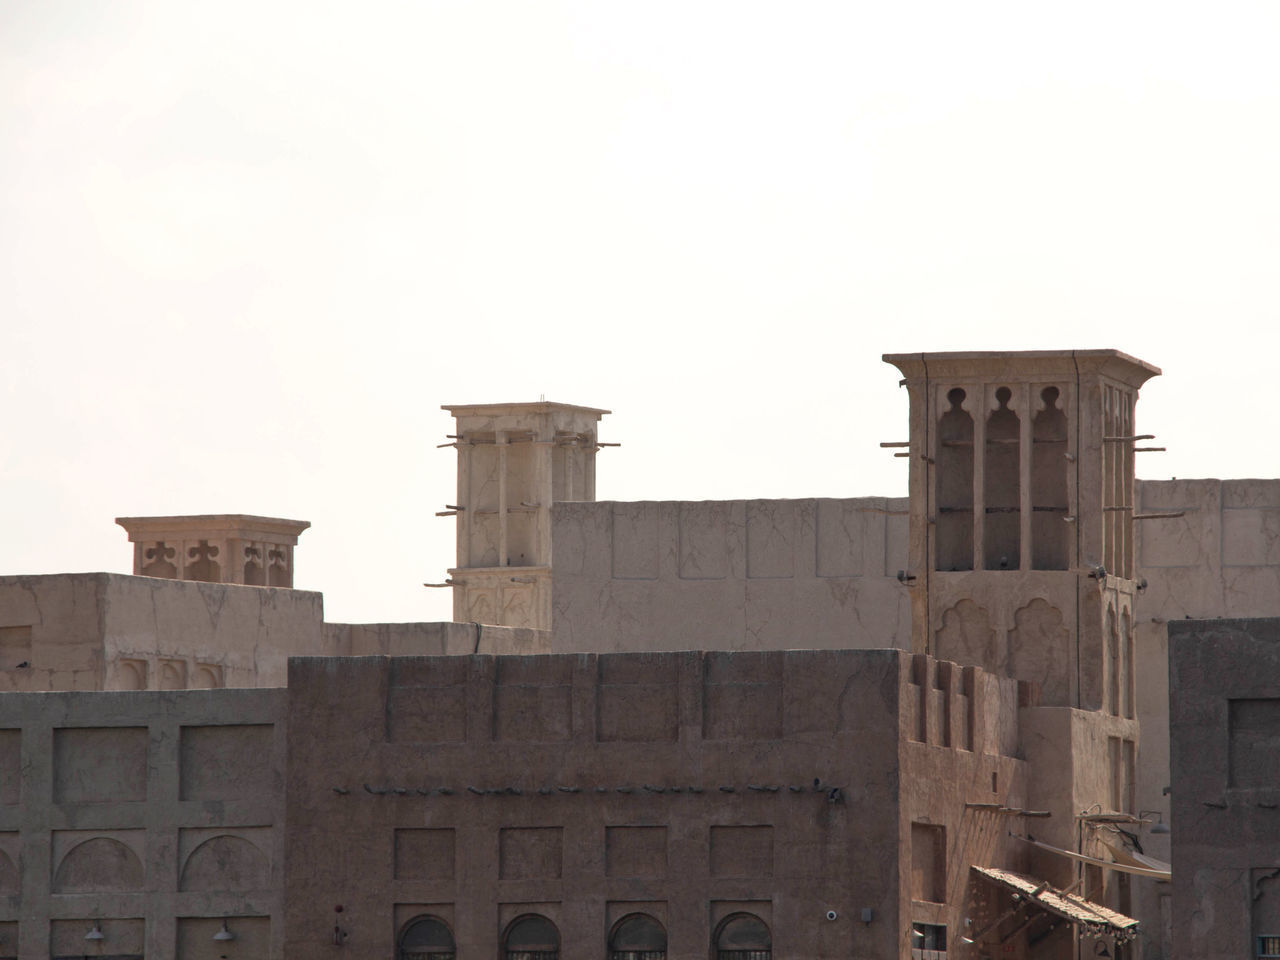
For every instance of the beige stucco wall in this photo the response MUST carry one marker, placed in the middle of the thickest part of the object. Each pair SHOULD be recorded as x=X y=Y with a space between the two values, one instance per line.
x=95 y=631
x=153 y=811
x=729 y=575
x=1222 y=559
x=431 y=639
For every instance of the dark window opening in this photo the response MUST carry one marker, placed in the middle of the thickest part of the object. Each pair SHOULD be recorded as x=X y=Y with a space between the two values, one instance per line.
x=954 y=527
x=532 y=937
x=743 y=936
x=638 y=937
x=426 y=938
x=1049 y=505
x=1002 y=488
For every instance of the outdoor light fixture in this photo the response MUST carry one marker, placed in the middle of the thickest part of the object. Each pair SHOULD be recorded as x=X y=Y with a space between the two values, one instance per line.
x=95 y=933
x=224 y=933
x=1159 y=827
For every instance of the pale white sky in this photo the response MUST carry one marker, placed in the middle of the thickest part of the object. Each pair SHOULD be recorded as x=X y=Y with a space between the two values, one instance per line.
x=247 y=249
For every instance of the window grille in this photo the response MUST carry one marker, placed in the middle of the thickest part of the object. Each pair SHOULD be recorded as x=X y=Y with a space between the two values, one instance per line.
x=638 y=936
x=426 y=938
x=532 y=937
x=743 y=937
x=1269 y=945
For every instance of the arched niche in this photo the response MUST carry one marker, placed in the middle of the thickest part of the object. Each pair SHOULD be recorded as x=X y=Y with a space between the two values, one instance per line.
x=226 y=863
x=98 y=865
x=743 y=936
x=205 y=677
x=531 y=937
x=953 y=542
x=1049 y=504
x=1002 y=486
x=426 y=938
x=638 y=936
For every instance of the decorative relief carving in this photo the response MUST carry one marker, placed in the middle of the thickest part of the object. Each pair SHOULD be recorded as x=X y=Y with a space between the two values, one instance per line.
x=226 y=863
x=1038 y=650
x=966 y=637
x=98 y=865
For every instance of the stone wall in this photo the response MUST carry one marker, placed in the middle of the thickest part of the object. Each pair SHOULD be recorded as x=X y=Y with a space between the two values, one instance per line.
x=729 y=575
x=155 y=815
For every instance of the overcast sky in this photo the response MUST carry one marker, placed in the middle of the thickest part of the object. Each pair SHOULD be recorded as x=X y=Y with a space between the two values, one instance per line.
x=247 y=249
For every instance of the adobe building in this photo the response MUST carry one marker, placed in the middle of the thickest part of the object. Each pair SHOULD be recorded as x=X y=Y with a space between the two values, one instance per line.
x=826 y=803
x=132 y=824
x=1224 y=726
x=1013 y=607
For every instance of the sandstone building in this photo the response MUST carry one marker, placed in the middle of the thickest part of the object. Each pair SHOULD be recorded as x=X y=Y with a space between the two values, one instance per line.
x=978 y=664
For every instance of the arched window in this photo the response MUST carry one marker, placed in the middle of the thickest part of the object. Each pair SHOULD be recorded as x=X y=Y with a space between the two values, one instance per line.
x=638 y=937
x=743 y=936
x=426 y=938
x=532 y=937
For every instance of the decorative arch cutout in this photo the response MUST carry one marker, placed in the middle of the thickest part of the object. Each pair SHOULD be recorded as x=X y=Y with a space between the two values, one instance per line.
x=954 y=528
x=1038 y=650
x=743 y=936
x=226 y=863
x=966 y=636
x=1002 y=486
x=531 y=937
x=638 y=936
x=426 y=938
x=98 y=865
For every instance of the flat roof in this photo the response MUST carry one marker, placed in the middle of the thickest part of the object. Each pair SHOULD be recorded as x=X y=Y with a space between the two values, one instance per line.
x=537 y=406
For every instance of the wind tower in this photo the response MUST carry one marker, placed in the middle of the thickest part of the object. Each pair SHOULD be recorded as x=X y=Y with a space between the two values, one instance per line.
x=514 y=461
x=1021 y=561
x=1022 y=516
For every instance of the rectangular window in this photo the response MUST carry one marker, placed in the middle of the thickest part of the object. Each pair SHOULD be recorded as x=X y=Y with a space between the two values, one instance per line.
x=928 y=941
x=1269 y=945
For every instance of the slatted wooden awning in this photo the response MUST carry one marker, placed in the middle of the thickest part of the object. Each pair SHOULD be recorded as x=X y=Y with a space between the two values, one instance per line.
x=1093 y=918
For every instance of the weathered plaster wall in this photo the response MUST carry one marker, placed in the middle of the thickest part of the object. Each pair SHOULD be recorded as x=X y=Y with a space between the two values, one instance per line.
x=958 y=742
x=1222 y=559
x=431 y=639
x=95 y=631
x=242 y=636
x=585 y=787
x=1225 y=730
x=139 y=809
x=729 y=575
x=51 y=632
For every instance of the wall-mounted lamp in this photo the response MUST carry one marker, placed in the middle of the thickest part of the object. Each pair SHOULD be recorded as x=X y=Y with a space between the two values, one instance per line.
x=1159 y=827
x=95 y=933
x=224 y=934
